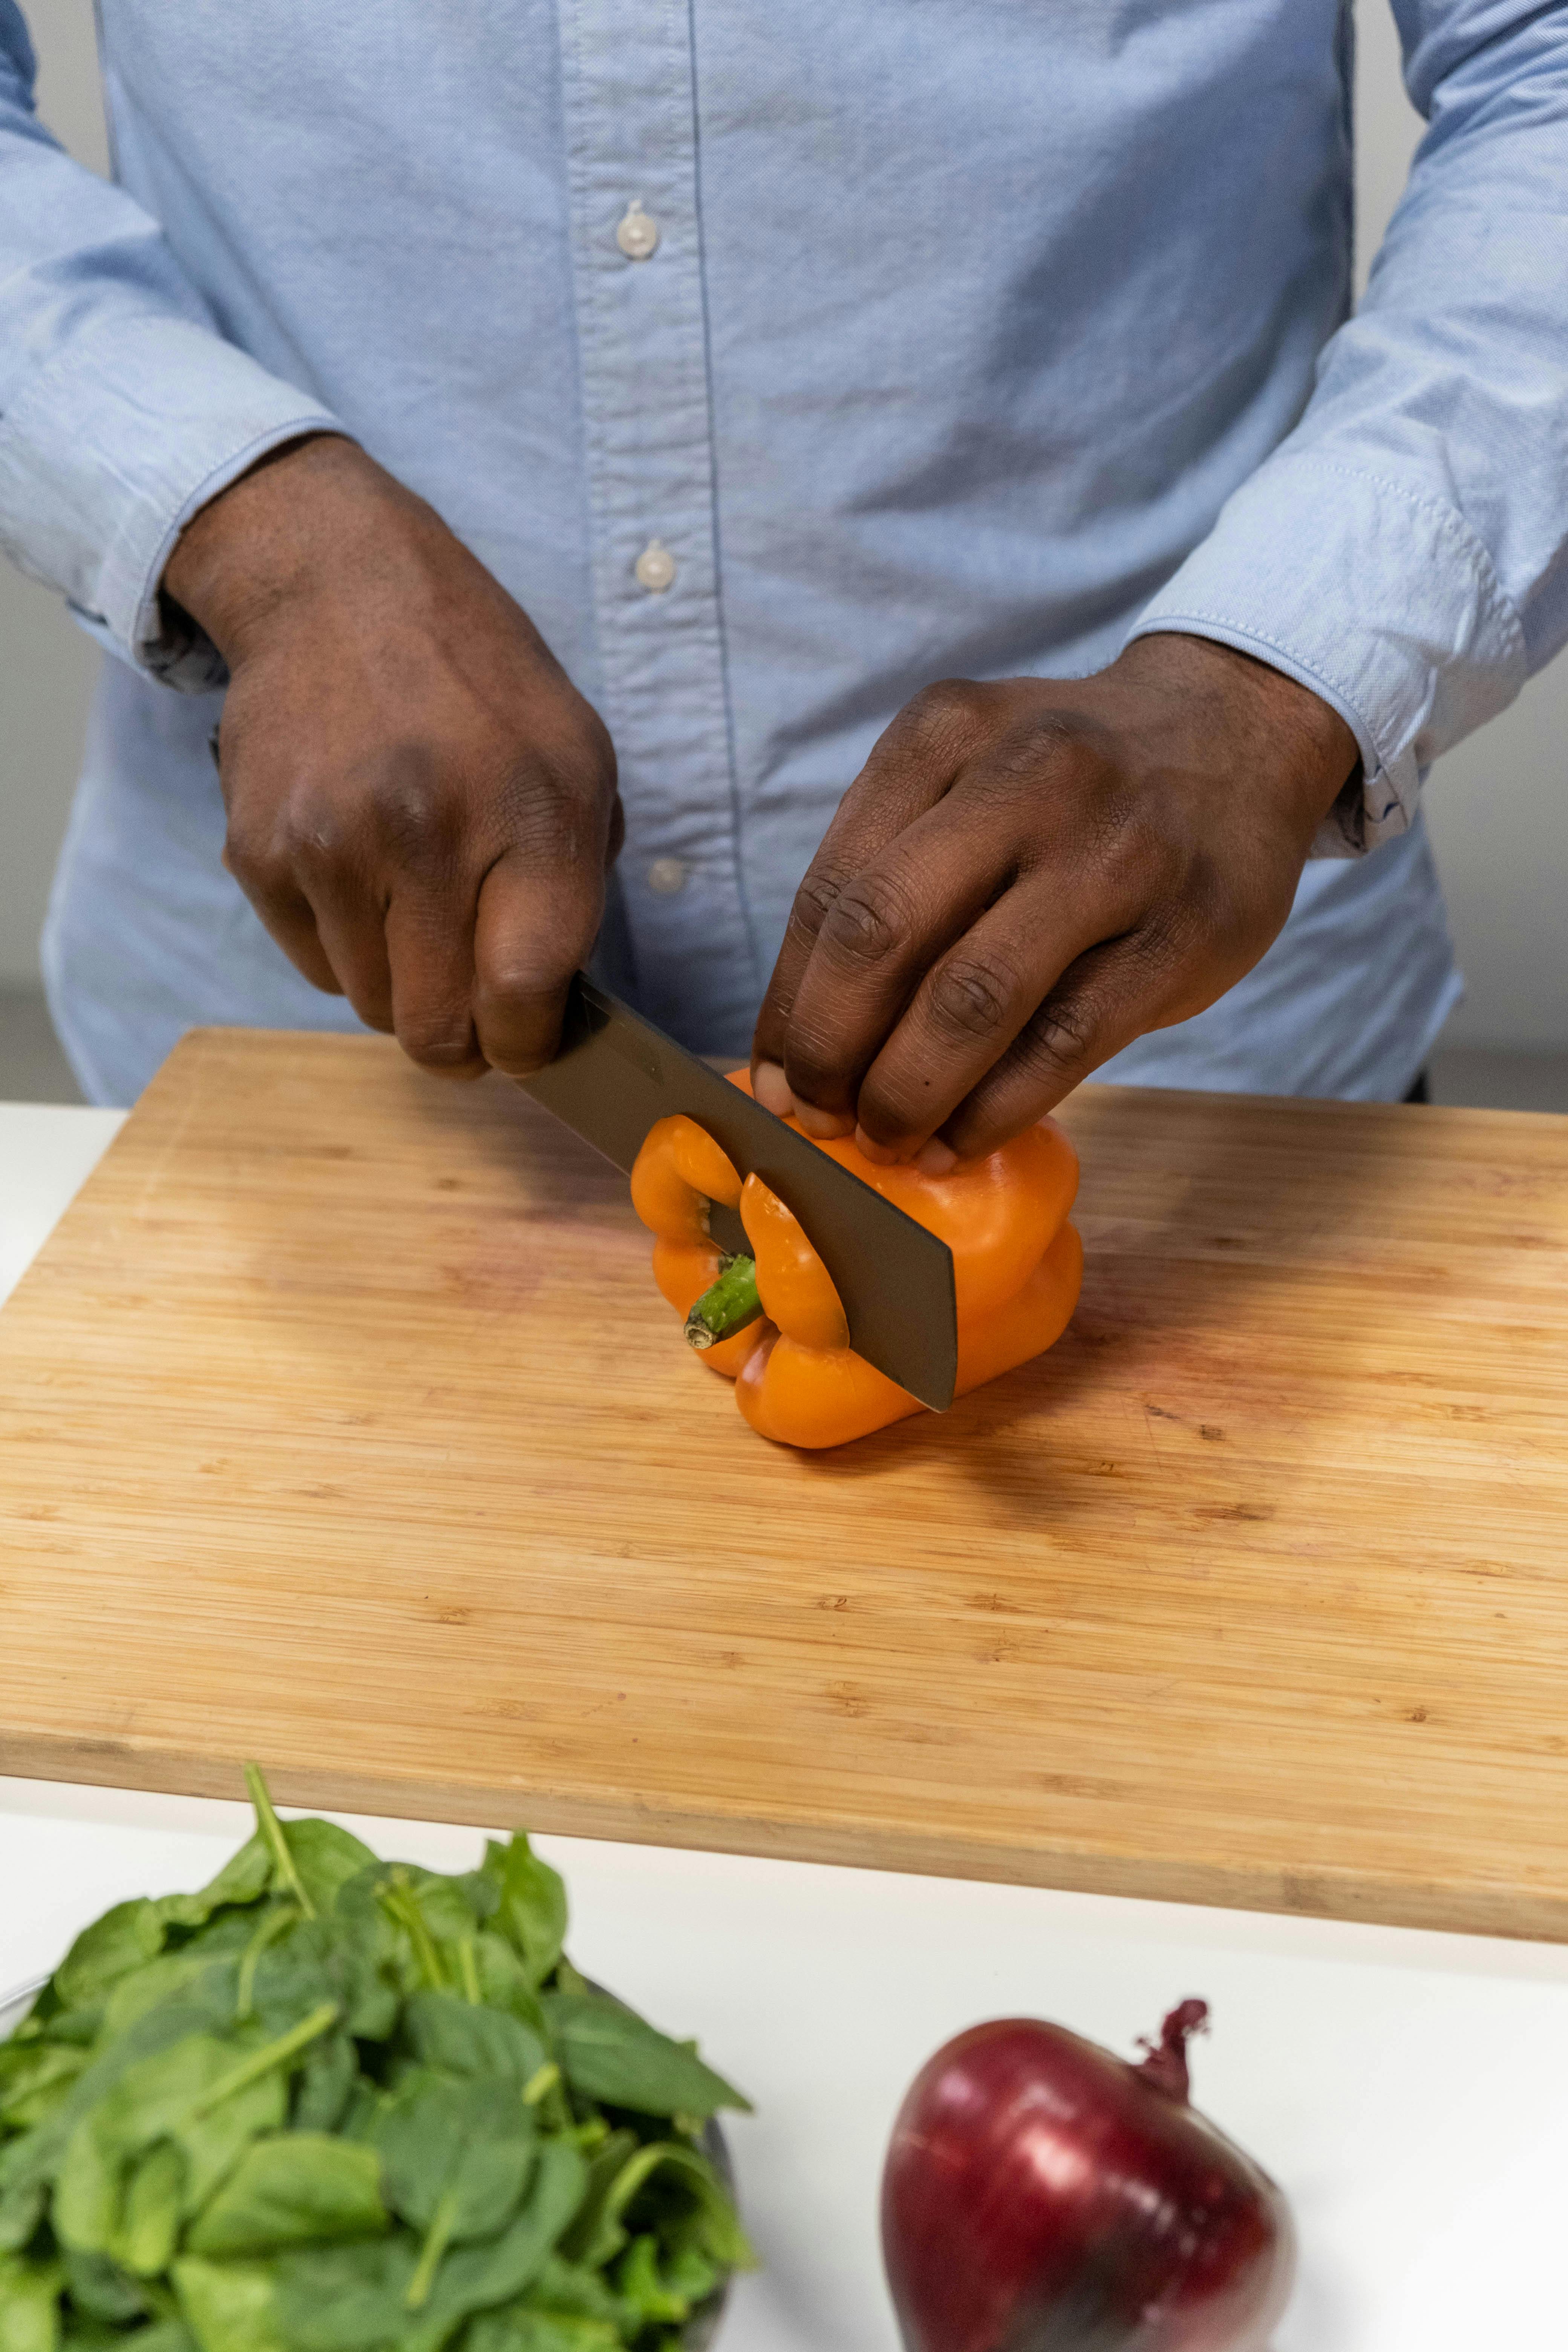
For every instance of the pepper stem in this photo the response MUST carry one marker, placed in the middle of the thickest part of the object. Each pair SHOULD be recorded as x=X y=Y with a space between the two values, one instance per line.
x=726 y=1309
x=1167 y=2063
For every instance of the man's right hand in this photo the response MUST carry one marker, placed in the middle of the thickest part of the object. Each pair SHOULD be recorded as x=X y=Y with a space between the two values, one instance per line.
x=421 y=805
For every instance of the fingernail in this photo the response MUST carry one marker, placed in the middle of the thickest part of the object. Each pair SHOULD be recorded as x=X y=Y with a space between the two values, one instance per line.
x=877 y=1153
x=935 y=1158
x=824 y=1126
x=771 y=1088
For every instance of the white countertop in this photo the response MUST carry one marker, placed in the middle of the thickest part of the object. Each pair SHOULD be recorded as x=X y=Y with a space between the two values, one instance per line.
x=47 y=1152
x=1409 y=2090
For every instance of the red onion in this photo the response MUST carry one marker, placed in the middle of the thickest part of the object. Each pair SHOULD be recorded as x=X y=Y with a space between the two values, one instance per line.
x=1043 y=2196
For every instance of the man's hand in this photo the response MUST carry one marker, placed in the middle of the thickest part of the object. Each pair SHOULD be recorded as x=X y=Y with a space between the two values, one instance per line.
x=1026 y=876
x=421 y=806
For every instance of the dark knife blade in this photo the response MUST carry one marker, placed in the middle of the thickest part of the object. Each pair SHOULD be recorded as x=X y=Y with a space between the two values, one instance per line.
x=616 y=1074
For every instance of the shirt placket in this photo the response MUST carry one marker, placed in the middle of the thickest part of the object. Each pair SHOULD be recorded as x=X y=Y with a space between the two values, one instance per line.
x=631 y=136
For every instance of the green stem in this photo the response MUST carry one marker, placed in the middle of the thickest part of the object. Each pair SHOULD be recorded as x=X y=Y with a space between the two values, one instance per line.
x=271 y=1829
x=728 y=1307
x=468 y=1969
x=399 y=1898
x=272 y=1926
x=262 y=2062
x=538 y=2084
x=545 y=2092
x=437 y=2237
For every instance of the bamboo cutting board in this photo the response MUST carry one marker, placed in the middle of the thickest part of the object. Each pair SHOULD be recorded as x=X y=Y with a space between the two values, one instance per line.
x=341 y=1426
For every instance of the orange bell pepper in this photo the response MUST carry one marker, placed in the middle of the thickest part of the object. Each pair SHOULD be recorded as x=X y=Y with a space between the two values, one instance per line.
x=1016 y=1265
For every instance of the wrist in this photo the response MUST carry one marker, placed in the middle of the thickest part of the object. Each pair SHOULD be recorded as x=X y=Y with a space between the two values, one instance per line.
x=265 y=540
x=1285 y=739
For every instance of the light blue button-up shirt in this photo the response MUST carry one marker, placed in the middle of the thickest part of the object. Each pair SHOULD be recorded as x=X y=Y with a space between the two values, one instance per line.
x=977 y=334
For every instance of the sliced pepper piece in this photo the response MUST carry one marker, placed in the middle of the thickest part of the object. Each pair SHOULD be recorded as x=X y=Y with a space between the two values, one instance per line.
x=1017 y=1265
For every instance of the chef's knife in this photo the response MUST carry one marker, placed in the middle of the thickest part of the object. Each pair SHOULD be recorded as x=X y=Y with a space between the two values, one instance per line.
x=615 y=1074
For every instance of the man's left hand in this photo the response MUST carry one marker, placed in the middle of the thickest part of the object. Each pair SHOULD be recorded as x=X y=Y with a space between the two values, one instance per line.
x=1028 y=875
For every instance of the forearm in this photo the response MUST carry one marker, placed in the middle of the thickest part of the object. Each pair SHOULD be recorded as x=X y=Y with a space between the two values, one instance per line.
x=121 y=409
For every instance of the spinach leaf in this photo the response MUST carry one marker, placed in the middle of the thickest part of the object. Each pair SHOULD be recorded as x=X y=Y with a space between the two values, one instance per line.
x=244 y=1878
x=672 y=2190
x=504 y=1983
x=345 y=2298
x=122 y=1940
x=228 y=2307
x=171 y=1974
x=358 y=2298
x=29 y=2304
x=542 y=2331
x=325 y=1857
x=457 y=2155
x=101 y=2289
x=665 y=2189
x=683 y=2273
x=477 y=2277
x=642 y=2281
x=446 y=2031
x=33 y=2077
x=478 y=1891
x=208 y=2098
x=24 y=2192
x=297 y=1964
x=569 y=2291
x=147 y=2227
x=431 y=1928
x=326 y=2084
x=288 y=2189
x=609 y=2053
x=533 y=1908
x=595 y=2234
x=28 y=2165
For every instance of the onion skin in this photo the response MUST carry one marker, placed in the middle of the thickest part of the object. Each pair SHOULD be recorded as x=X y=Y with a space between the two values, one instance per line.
x=1041 y=2195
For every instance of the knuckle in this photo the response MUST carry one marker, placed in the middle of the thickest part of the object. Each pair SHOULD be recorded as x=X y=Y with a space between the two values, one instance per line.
x=941 y=717
x=866 y=922
x=1064 y=749
x=1059 y=1040
x=312 y=840
x=573 y=741
x=550 y=820
x=973 y=998
x=946 y=700
x=418 y=813
x=597 y=755
x=816 y=900
x=248 y=852
x=264 y=860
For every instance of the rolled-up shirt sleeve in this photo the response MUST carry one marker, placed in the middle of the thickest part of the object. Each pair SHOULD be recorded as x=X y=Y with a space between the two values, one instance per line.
x=122 y=409
x=1405 y=552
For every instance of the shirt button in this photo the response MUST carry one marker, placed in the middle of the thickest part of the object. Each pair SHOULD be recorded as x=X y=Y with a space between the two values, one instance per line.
x=666 y=876
x=655 y=567
x=637 y=235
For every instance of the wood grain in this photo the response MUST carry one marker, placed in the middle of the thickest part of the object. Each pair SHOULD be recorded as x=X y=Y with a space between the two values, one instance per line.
x=340 y=1425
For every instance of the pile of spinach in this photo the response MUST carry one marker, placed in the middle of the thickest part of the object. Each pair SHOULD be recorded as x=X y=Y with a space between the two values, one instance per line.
x=336 y=2104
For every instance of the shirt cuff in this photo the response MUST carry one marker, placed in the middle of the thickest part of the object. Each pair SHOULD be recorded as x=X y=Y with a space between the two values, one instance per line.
x=107 y=453
x=1374 y=598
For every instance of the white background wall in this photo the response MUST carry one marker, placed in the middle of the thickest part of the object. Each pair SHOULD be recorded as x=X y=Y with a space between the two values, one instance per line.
x=1498 y=806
